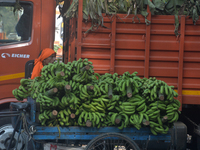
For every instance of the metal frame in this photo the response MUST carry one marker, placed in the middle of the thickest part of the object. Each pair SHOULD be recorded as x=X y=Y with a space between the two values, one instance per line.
x=74 y=133
x=85 y=133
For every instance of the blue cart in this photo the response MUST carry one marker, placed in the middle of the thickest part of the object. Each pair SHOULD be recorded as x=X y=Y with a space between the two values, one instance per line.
x=107 y=138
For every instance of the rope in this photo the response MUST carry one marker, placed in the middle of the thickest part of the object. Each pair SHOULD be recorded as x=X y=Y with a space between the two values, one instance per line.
x=58 y=130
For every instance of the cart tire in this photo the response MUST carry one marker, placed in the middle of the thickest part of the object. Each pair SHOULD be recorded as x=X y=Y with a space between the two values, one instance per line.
x=108 y=141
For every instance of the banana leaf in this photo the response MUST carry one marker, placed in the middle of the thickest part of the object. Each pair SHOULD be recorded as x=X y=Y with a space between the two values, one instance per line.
x=165 y=1
x=159 y=4
x=122 y=6
x=195 y=15
x=176 y=24
x=197 y=4
x=151 y=7
x=144 y=13
x=170 y=4
x=170 y=11
x=179 y=2
x=145 y=2
x=141 y=5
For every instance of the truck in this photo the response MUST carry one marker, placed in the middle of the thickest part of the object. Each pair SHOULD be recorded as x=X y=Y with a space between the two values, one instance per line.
x=152 y=50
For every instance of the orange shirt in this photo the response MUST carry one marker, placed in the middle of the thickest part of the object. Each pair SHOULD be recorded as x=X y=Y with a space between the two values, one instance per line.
x=38 y=62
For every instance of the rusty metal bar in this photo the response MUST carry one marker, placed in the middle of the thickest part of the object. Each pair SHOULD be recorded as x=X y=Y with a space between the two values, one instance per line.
x=72 y=56
x=147 y=45
x=181 y=54
x=112 y=53
x=73 y=39
x=79 y=36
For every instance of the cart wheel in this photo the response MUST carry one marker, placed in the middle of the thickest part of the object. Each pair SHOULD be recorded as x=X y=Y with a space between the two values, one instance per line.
x=112 y=141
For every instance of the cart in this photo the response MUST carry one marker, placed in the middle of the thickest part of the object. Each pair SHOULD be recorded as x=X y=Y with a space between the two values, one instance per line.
x=88 y=138
x=108 y=138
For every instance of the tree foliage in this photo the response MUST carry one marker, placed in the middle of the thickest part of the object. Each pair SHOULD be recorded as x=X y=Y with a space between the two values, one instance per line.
x=9 y=19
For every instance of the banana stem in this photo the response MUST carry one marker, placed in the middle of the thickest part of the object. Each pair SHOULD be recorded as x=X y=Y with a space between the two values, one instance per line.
x=72 y=115
x=118 y=119
x=129 y=91
x=161 y=96
x=164 y=119
x=145 y=122
x=51 y=92
x=60 y=74
x=90 y=88
x=88 y=123
x=54 y=113
x=67 y=87
x=87 y=67
x=110 y=91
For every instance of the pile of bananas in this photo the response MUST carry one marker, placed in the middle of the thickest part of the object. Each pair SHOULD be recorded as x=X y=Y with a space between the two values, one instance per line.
x=73 y=95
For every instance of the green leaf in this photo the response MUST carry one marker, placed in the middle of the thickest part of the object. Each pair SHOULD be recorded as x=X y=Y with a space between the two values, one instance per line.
x=144 y=13
x=170 y=4
x=159 y=4
x=179 y=2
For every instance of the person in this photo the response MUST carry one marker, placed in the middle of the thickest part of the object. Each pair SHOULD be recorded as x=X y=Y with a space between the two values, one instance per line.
x=23 y=27
x=47 y=56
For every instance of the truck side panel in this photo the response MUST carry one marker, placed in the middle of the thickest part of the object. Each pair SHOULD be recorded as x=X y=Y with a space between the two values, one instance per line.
x=151 y=50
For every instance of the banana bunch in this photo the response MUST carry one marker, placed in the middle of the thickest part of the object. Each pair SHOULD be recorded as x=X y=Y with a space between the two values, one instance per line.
x=20 y=93
x=119 y=119
x=96 y=105
x=89 y=119
x=24 y=89
x=67 y=118
x=161 y=114
x=157 y=90
x=63 y=118
x=46 y=101
x=103 y=87
x=89 y=91
x=82 y=71
x=172 y=111
x=133 y=104
x=128 y=85
x=70 y=100
x=107 y=121
x=113 y=103
x=159 y=126
x=136 y=120
x=74 y=86
x=44 y=116
x=156 y=128
x=56 y=71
